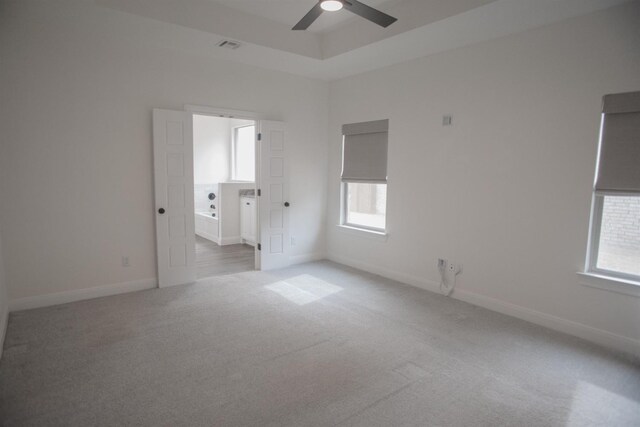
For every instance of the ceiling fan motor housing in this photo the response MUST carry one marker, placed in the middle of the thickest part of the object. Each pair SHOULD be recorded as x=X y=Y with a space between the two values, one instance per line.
x=353 y=6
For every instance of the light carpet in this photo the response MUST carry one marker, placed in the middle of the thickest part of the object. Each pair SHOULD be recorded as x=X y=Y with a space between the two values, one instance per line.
x=313 y=345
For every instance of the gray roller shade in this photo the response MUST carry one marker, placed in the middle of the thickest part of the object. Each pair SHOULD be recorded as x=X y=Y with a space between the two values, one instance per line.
x=619 y=153
x=364 y=154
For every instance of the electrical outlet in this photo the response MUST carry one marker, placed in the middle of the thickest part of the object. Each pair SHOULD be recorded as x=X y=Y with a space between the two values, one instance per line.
x=454 y=268
x=125 y=261
x=442 y=263
x=293 y=241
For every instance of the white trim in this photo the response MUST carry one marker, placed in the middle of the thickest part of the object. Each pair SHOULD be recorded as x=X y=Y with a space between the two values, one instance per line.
x=233 y=240
x=409 y=279
x=589 y=333
x=609 y=283
x=363 y=232
x=4 y=322
x=593 y=240
x=225 y=112
x=586 y=332
x=301 y=259
x=81 y=294
x=179 y=284
x=211 y=237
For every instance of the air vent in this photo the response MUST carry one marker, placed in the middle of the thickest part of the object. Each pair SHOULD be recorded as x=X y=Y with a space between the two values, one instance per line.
x=229 y=44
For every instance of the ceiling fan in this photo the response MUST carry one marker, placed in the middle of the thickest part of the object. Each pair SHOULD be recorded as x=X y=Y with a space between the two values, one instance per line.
x=352 y=6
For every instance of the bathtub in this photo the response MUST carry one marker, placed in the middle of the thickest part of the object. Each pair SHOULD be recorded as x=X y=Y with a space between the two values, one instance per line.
x=207 y=226
x=207 y=215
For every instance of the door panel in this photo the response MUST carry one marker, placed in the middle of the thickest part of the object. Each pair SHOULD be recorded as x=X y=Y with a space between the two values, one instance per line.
x=274 y=184
x=173 y=176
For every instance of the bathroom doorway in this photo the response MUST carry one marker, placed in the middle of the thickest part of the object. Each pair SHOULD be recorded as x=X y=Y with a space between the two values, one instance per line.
x=173 y=165
x=225 y=209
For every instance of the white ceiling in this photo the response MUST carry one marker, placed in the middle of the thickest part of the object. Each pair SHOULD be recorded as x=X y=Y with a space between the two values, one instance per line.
x=424 y=27
x=289 y=12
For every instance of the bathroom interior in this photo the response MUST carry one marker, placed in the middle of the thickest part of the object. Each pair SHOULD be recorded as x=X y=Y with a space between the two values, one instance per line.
x=224 y=195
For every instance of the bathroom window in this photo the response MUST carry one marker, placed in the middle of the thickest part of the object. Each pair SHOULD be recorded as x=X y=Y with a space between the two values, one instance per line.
x=243 y=154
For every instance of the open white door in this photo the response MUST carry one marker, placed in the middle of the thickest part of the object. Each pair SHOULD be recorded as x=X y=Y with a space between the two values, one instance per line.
x=175 y=223
x=274 y=193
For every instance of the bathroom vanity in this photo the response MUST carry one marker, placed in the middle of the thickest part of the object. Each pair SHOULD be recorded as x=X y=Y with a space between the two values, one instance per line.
x=248 y=219
x=231 y=215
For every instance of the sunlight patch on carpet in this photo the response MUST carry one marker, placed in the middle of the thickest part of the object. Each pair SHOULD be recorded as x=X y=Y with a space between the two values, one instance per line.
x=303 y=289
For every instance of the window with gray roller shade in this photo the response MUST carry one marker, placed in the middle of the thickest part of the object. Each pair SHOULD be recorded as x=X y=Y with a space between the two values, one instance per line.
x=619 y=153
x=364 y=152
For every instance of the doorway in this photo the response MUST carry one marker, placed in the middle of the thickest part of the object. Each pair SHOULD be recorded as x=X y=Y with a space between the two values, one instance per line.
x=175 y=194
x=224 y=171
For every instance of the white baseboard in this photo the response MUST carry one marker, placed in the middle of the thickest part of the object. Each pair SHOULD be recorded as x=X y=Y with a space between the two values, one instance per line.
x=81 y=294
x=589 y=333
x=233 y=240
x=300 y=259
x=389 y=274
x=586 y=332
x=4 y=322
x=208 y=236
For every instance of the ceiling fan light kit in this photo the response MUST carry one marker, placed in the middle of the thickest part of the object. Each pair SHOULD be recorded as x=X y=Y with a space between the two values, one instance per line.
x=353 y=6
x=331 y=5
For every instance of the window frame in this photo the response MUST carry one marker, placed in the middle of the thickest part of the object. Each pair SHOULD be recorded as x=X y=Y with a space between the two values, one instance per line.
x=234 y=139
x=345 y=203
x=593 y=247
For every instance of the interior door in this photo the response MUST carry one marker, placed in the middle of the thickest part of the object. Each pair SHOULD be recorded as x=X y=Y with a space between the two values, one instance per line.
x=175 y=224
x=273 y=203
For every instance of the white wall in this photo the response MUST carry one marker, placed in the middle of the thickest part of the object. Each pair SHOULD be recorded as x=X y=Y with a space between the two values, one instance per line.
x=78 y=85
x=507 y=189
x=211 y=149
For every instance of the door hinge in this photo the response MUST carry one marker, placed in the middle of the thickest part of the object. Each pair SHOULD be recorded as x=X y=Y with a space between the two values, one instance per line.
x=259 y=247
x=259 y=137
x=259 y=192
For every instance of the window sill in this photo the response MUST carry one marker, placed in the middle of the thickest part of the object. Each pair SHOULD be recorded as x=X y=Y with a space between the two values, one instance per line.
x=608 y=283
x=363 y=232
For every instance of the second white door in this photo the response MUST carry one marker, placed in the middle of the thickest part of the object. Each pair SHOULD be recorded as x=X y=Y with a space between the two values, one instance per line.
x=274 y=204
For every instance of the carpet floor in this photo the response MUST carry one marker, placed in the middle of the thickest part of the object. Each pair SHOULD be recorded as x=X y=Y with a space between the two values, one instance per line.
x=312 y=345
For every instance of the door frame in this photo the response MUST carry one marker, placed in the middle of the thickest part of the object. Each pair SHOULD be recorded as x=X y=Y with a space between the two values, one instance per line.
x=205 y=110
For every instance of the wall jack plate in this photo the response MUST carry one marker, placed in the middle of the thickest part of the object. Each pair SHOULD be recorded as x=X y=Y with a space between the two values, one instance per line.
x=454 y=268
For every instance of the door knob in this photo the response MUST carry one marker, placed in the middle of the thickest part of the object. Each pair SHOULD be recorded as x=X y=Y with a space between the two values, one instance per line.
x=286 y=204
x=161 y=211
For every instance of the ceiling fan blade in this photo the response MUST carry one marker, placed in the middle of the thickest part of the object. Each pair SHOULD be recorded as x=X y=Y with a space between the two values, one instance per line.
x=308 y=19
x=367 y=12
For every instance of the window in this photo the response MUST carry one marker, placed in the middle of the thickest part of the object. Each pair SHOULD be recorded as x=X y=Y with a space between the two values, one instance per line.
x=364 y=175
x=243 y=154
x=615 y=220
x=365 y=205
x=617 y=240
